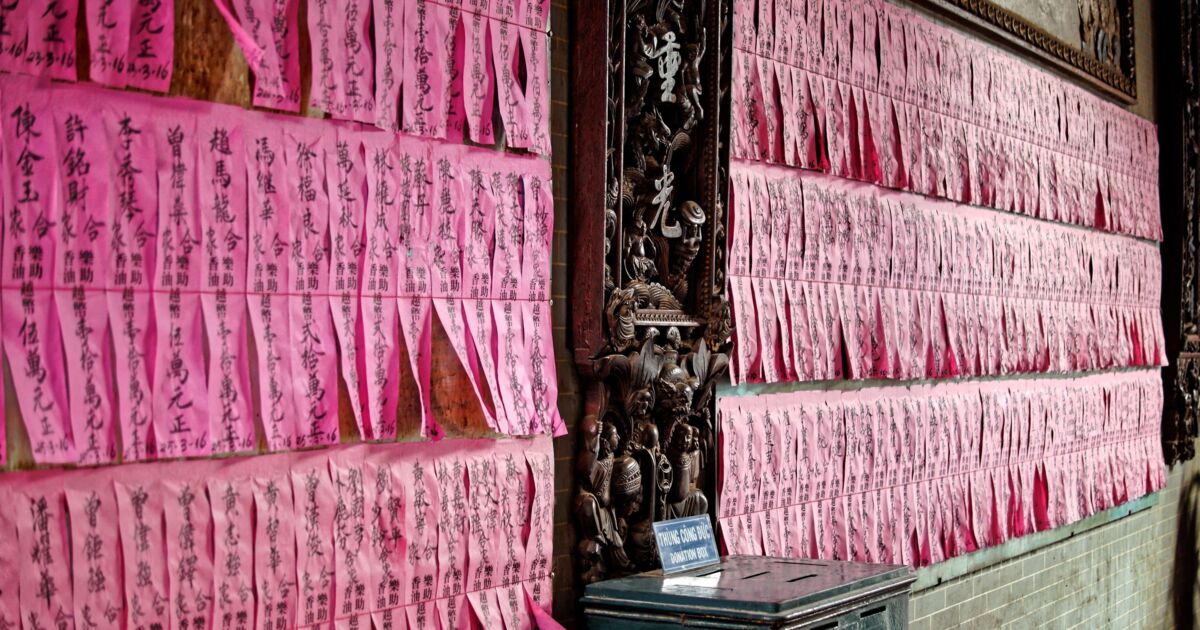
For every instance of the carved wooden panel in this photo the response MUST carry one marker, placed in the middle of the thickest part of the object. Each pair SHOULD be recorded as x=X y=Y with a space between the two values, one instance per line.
x=650 y=322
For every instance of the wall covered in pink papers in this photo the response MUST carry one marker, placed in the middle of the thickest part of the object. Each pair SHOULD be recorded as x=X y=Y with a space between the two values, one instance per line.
x=909 y=204
x=187 y=284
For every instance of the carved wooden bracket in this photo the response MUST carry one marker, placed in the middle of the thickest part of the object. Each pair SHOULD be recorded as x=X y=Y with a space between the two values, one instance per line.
x=650 y=322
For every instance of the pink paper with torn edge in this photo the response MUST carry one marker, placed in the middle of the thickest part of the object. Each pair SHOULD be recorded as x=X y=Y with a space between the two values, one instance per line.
x=536 y=46
x=505 y=38
x=150 y=60
x=180 y=401
x=40 y=516
x=233 y=552
x=479 y=87
x=269 y=35
x=484 y=566
x=507 y=279
x=388 y=544
x=133 y=218
x=313 y=347
x=480 y=203
x=390 y=54
x=95 y=540
x=380 y=276
x=313 y=503
x=515 y=488
x=419 y=487
x=143 y=552
x=446 y=258
x=269 y=211
x=352 y=547
x=453 y=540
x=535 y=277
x=274 y=552
x=39 y=40
x=222 y=180
x=427 y=68
x=415 y=217
x=189 y=535
x=343 y=78
x=81 y=268
x=31 y=330
x=109 y=29
x=538 y=546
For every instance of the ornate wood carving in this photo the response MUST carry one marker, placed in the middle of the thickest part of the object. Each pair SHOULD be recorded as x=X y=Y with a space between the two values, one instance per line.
x=1179 y=138
x=650 y=322
x=1086 y=58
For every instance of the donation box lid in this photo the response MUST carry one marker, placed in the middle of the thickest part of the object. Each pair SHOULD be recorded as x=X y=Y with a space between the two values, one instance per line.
x=753 y=587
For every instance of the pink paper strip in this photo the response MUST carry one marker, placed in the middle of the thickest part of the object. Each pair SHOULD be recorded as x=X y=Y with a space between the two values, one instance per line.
x=274 y=552
x=381 y=273
x=233 y=552
x=189 y=553
x=150 y=59
x=313 y=352
x=81 y=269
x=343 y=80
x=483 y=566
x=535 y=277
x=480 y=200
x=538 y=545
x=388 y=21
x=479 y=86
x=415 y=193
x=353 y=570
x=144 y=553
x=269 y=272
x=422 y=507
x=346 y=173
x=426 y=80
x=388 y=545
x=313 y=508
x=180 y=401
x=515 y=487
x=38 y=40
x=42 y=537
x=133 y=215
x=109 y=31
x=453 y=536
x=31 y=331
x=272 y=27
x=222 y=180
x=96 y=563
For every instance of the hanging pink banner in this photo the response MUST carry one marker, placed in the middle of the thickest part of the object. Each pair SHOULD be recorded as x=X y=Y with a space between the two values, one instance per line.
x=511 y=358
x=538 y=548
x=505 y=38
x=483 y=568
x=380 y=275
x=352 y=547
x=313 y=508
x=180 y=401
x=535 y=276
x=269 y=271
x=222 y=183
x=31 y=330
x=37 y=40
x=478 y=73
x=453 y=540
x=429 y=30
x=346 y=181
x=42 y=538
x=150 y=60
x=233 y=552
x=143 y=553
x=81 y=265
x=415 y=191
x=516 y=489
x=446 y=258
x=419 y=488
x=109 y=30
x=189 y=536
x=274 y=552
x=343 y=77
x=95 y=539
x=268 y=33
x=134 y=224
x=388 y=21
x=313 y=352
x=388 y=544
x=480 y=203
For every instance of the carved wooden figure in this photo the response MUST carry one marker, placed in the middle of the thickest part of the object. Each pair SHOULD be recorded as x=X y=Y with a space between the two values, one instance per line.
x=651 y=326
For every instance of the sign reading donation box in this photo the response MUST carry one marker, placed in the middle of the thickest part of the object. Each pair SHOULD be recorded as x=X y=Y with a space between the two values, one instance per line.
x=686 y=543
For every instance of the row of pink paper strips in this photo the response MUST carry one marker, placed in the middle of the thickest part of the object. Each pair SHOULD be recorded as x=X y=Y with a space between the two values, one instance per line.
x=960 y=120
x=436 y=68
x=169 y=222
x=918 y=475
x=453 y=535
x=832 y=279
x=130 y=43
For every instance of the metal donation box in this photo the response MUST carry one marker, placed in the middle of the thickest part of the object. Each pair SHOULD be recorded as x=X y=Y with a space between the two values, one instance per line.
x=755 y=592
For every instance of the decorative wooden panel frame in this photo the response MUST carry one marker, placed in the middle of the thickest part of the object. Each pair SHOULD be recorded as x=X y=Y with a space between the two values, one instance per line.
x=650 y=323
x=1119 y=81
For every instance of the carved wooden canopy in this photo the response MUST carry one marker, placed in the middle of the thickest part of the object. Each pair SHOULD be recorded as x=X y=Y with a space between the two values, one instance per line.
x=650 y=325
